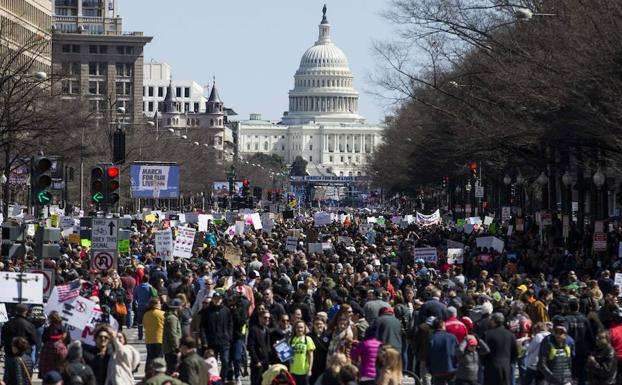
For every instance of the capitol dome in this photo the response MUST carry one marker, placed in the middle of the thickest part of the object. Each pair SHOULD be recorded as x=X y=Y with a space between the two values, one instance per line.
x=323 y=84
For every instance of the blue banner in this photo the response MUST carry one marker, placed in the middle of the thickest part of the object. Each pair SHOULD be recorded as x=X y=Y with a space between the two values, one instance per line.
x=160 y=181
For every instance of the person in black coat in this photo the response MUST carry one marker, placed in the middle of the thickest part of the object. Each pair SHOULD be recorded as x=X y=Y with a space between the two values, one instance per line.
x=503 y=351
x=19 y=326
x=18 y=368
x=259 y=347
x=217 y=330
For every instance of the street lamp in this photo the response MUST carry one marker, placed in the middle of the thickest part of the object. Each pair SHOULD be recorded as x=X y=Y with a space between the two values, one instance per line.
x=528 y=14
x=542 y=179
x=507 y=180
x=520 y=179
x=566 y=179
x=468 y=187
x=599 y=178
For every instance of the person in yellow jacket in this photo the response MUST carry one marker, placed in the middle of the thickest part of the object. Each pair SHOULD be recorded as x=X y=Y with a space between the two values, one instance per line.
x=538 y=310
x=153 y=323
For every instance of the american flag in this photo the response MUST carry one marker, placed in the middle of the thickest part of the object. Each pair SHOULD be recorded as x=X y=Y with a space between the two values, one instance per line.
x=69 y=290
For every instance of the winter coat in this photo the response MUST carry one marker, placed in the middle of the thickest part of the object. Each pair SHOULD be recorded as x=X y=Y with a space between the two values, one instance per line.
x=18 y=370
x=78 y=373
x=555 y=362
x=153 y=322
x=52 y=356
x=258 y=346
x=604 y=370
x=367 y=351
x=172 y=333
x=469 y=361
x=217 y=326
x=17 y=327
x=503 y=351
x=579 y=329
x=193 y=370
x=441 y=358
x=389 y=331
x=123 y=363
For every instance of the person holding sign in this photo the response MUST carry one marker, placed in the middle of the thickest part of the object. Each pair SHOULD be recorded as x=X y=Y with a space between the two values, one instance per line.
x=303 y=347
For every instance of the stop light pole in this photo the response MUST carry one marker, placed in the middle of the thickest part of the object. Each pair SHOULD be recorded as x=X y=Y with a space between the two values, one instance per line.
x=41 y=182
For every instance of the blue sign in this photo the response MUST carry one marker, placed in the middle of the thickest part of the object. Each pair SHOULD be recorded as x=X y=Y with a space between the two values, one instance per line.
x=160 y=181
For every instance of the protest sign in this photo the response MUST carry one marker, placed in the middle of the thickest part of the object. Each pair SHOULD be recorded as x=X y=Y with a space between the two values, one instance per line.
x=233 y=255
x=490 y=243
x=30 y=291
x=364 y=228
x=428 y=254
x=182 y=247
x=291 y=243
x=455 y=256
x=474 y=220
x=506 y=213
x=283 y=351
x=164 y=244
x=239 y=227
x=256 y=221
x=4 y=316
x=345 y=240
x=76 y=312
x=428 y=220
x=618 y=282
x=321 y=219
x=203 y=221
x=488 y=220
x=319 y=247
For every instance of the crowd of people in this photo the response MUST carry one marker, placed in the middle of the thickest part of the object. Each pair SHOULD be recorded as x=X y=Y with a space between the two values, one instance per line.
x=366 y=310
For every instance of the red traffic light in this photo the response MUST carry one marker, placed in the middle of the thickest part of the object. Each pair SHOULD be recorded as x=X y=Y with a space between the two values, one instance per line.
x=113 y=172
x=278 y=190
x=473 y=166
x=245 y=182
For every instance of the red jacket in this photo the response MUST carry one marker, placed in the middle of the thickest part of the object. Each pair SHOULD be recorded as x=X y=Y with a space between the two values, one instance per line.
x=454 y=326
x=616 y=340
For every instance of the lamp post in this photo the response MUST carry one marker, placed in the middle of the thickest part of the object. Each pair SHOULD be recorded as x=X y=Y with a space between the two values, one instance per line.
x=543 y=180
x=507 y=181
x=567 y=182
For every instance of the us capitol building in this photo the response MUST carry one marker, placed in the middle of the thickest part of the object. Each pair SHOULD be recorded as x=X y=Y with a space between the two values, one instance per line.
x=322 y=124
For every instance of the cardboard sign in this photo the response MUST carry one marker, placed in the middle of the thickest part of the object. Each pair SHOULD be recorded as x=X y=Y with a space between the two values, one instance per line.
x=182 y=246
x=164 y=244
x=455 y=256
x=233 y=254
x=428 y=254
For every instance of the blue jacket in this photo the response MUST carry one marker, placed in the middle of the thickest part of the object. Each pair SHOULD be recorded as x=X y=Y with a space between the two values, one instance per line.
x=442 y=348
x=142 y=294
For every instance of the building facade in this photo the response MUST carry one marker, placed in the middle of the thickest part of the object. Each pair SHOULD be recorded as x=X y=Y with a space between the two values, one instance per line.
x=25 y=27
x=208 y=128
x=97 y=60
x=322 y=124
x=157 y=76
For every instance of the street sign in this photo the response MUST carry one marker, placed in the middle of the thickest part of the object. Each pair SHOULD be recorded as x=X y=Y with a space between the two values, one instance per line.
x=104 y=234
x=479 y=191
x=103 y=260
x=48 y=280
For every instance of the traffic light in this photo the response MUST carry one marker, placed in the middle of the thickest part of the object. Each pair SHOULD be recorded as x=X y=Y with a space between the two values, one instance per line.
x=41 y=180
x=118 y=141
x=277 y=194
x=246 y=188
x=473 y=168
x=445 y=180
x=97 y=185
x=269 y=195
x=112 y=184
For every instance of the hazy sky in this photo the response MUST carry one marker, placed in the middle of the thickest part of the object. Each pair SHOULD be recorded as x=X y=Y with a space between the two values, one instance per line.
x=254 y=47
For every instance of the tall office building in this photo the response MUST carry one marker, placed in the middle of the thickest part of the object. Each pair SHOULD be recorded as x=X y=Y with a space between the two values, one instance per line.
x=25 y=30
x=97 y=59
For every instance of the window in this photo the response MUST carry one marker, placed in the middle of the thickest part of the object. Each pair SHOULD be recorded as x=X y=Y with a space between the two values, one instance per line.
x=186 y=107
x=283 y=148
x=120 y=49
x=129 y=50
x=123 y=88
x=310 y=159
x=178 y=92
x=98 y=69
x=220 y=122
x=150 y=91
x=72 y=68
x=150 y=106
x=256 y=146
x=66 y=48
x=103 y=49
x=93 y=49
x=75 y=48
x=160 y=91
x=310 y=147
x=211 y=122
x=265 y=146
x=144 y=92
x=97 y=87
x=248 y=146
x=342 y=159
x=330 y=158
x=196 y=107
x=70 y=87
x=186 y=92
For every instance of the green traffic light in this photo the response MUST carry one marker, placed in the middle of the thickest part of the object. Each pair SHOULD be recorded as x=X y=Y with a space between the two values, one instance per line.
x=44 y=197
x=97 y=197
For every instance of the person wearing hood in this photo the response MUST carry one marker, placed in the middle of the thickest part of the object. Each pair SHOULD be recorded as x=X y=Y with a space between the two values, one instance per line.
x=76 y=372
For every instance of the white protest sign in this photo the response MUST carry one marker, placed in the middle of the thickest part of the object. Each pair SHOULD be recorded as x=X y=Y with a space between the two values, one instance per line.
x=182 y=246
x=31 y=288
x=371 y=219
x=204 y=221
x=321 y=219
x=319 y=247
x=256 y=221
x=164 y=244
x=191 y=217
x=506 y=213
x=66 y=222
x=490 y=243
x=345 y=240
x=291 y=243
x=510 y=230
x=267 y=224
x=4 y=316
x=474 y=220
x=455 y=256
x=617 y=280
x=428 y=254
x=488 y=221
x=76 y=312
x=239 y=227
